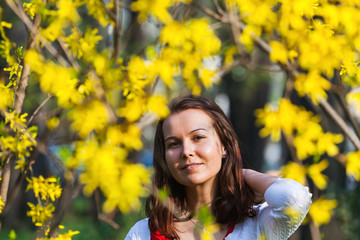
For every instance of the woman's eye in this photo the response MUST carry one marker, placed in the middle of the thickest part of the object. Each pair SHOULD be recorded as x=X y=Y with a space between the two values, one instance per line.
x=172 y=145
x=198 y=137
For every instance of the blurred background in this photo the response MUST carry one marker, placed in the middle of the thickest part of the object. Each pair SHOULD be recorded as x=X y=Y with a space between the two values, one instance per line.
x=239 y=91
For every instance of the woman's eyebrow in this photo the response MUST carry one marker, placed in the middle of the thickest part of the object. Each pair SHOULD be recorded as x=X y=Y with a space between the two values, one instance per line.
x=192 y=131
x=198 y=129
x=169 y=138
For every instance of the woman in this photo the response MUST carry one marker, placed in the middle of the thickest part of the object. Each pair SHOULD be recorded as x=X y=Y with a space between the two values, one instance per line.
x=197 y=158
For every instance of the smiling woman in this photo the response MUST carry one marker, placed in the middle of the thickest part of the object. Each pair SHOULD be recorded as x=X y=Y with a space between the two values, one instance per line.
x=197 y=159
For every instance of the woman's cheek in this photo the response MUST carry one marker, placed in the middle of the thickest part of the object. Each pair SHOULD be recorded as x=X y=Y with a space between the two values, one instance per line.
x=170 y=157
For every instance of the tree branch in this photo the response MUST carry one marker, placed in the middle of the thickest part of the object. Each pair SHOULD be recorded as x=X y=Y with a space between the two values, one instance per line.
x=38 y=109
x=15 y=7
x=340 y=122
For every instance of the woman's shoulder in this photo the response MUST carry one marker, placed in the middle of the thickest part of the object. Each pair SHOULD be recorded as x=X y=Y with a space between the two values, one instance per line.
x=287 y=191
x=139 y=231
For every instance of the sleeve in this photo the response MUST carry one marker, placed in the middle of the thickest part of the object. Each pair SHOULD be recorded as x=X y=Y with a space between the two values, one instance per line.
x=140 y=231
x=287 y=205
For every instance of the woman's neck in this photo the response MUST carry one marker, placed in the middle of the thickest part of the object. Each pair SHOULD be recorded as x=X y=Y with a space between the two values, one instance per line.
x=199 y=195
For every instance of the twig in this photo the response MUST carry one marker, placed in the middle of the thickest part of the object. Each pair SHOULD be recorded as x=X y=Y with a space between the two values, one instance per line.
x=66 y=50
x=290 y=143
x=19 y=101
x=63 y=205
x=38 y=109
x=109 y=221
x=347 y=112
x=117 y=28
x=208 y=11
x=100 y=94
x=14 y=5
x=218 y=8
x=315 y=231
x=228 y=68
x=234 y=24
x=340 y=122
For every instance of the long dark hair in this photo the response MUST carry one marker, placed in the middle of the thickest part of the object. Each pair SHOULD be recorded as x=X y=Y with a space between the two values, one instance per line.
x=233 y=201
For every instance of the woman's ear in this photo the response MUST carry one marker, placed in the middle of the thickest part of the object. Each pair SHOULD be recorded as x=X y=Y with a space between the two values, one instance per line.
x=224 y=153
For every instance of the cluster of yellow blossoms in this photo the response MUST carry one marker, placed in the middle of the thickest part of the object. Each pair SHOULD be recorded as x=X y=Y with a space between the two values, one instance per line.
x=309 y=140
x=45 y=190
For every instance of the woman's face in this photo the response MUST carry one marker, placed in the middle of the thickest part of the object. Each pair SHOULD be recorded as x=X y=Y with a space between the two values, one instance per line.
x=193 y=150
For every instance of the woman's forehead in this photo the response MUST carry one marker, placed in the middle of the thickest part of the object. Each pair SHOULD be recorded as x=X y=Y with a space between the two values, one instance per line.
x=187 y=120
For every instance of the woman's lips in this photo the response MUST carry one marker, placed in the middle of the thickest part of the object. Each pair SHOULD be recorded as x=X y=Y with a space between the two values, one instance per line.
x=191 y=166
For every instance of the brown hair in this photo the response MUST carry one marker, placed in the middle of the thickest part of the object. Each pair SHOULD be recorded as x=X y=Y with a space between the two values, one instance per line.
x=233 y=201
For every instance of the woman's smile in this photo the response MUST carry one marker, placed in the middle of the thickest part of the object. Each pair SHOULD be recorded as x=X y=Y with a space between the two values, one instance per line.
x=191 y=166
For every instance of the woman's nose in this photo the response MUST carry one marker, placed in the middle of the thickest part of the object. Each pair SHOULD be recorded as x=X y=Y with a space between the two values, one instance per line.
x=188 y=149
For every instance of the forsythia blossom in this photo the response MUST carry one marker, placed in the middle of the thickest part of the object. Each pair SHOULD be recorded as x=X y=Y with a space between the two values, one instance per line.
x=47 y=188
x=320 y=210
x=353 y=165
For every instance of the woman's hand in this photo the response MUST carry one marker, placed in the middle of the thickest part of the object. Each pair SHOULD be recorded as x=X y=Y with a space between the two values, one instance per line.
x=259 y=182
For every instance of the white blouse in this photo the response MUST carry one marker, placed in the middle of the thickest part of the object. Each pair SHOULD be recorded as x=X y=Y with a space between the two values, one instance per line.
x=286 y=205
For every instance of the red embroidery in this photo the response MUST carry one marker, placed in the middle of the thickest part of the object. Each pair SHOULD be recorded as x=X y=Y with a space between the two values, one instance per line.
x=157 y=235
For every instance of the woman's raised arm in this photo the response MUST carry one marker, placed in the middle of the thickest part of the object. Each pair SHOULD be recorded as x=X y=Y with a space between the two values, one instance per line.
x=259 y=182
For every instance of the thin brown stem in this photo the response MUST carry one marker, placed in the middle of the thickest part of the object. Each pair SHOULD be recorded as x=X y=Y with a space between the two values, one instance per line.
x=290 y=143
x=39 y=108
x=208 y=11
x=340 y=122
x=66 y=50
x=19 y=101
x=315 y=231
x=218 y=8
x=117 y=27
x=348 y=114
x=15 y=6
x=100 y=94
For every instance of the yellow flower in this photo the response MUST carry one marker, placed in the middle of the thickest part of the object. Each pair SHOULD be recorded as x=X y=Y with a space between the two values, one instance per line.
x=312 y=84
x=207 y=76
x=21 y=163
x=46 y=188
x=39 y=214
x=88 y=117
x=229 y=55
x=79 y=45
x=320 y=210
x=67 y=10
x=63 y=236
x=247 y=36
x=209 y=231
x=353 y=165
x=353 y=97
x=157 y=8
x=327 y=143
x=133 y=109
x=269 y=118
x=52 y=123
x=294 y=171
x=53 y=31
x=165 y=70
x=278 y=52
x=1 y=204
x=6 y=97
x=128 y=136
x=30 y=9
x=158 y=105
x=174 y=33
x=130 y=185
x=314 y=172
